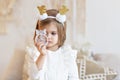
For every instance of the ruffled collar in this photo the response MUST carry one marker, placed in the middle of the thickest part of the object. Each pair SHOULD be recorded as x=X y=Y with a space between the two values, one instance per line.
x=53 y=52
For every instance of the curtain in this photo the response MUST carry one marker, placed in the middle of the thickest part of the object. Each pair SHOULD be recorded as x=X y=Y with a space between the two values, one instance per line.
x=5 y=13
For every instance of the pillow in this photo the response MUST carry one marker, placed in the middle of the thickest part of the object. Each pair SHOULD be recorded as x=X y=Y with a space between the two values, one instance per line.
x=90 y=70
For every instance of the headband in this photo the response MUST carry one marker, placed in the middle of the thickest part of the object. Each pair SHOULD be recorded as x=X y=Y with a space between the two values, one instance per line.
x=61 y=17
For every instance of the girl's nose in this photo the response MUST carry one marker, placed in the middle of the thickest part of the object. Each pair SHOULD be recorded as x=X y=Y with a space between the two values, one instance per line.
x=49 y=36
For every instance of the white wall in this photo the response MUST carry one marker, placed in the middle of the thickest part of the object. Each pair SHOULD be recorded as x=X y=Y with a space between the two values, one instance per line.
x=103 y=26
x=18 y=32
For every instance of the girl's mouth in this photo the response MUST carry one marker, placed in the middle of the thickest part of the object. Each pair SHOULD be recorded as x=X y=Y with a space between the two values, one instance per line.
x=49 y=41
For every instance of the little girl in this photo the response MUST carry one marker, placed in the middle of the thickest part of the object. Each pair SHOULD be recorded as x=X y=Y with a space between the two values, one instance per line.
x=51 y=59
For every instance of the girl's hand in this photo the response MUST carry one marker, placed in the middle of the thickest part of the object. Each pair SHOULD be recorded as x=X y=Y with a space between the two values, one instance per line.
x=41 y=48
x=43 y=52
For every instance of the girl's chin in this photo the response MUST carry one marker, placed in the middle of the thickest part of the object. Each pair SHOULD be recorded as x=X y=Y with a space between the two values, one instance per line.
x=49 y=45
x=52 y=47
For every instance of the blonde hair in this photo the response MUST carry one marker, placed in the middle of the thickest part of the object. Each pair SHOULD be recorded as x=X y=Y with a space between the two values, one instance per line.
x=60 y=27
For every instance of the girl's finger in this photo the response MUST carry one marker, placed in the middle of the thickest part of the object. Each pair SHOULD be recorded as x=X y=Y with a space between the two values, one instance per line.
x=35 y=44
x=39 y=43
x=41 y=46
x=44 y=47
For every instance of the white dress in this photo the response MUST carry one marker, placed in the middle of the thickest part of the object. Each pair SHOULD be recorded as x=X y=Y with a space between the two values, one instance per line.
x=58 y=65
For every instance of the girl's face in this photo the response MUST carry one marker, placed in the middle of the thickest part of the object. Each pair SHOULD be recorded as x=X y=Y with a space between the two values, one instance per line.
x=52 y=35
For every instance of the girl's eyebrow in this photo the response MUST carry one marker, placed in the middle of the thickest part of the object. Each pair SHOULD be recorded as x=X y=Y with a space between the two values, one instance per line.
x=52 y=31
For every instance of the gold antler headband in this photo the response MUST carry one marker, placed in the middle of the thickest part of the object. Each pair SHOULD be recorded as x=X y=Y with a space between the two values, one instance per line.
x=42 y=9
x=63 y=10
x=61 y=17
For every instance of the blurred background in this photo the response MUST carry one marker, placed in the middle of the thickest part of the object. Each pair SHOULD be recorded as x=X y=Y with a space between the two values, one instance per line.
x=94 y=23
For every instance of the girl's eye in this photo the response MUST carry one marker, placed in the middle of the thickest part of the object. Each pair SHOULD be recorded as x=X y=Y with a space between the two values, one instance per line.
x=53 y=33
